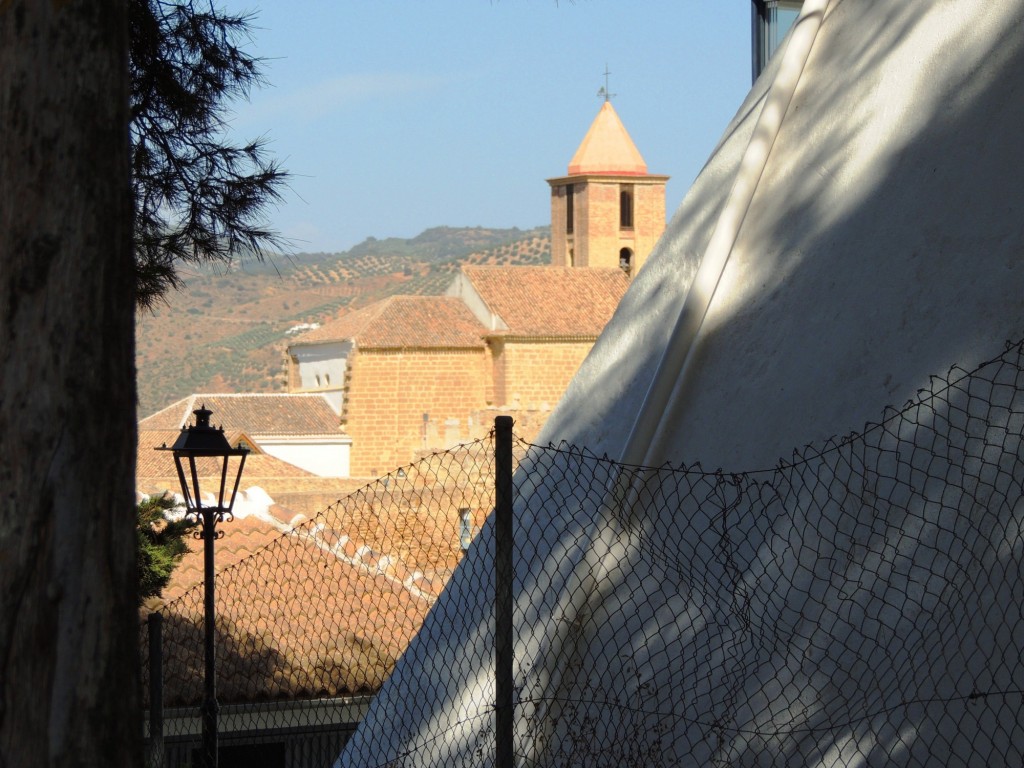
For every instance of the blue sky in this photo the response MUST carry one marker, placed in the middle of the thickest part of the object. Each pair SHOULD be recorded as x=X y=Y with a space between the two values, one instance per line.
x=398 y=115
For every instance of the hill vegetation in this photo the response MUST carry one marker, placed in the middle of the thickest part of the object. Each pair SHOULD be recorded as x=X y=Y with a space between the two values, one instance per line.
x=228 y=329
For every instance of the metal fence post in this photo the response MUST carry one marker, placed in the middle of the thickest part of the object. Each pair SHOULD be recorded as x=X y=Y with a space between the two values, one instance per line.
x=503 y=591
x=155 y=624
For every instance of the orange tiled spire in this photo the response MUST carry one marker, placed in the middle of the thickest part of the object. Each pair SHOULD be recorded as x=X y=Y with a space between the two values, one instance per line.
x=607 y=148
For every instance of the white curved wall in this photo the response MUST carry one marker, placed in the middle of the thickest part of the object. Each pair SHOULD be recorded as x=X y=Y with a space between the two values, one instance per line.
x=883 y=244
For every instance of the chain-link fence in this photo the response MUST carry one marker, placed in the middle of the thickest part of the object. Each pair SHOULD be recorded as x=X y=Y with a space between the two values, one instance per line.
x=309 y=625
x=858 y=604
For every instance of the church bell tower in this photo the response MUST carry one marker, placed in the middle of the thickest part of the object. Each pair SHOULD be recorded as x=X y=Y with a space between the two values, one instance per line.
x=608 y=211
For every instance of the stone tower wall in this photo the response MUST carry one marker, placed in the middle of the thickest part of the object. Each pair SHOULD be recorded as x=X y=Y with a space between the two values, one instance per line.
x=597 y=236
x=559 y=236
x=537 y=373
x=391 y=390
x=598 y=215
x=648 y=220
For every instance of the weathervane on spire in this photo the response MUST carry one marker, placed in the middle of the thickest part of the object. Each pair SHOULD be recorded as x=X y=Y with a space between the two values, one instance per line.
x=603 y=90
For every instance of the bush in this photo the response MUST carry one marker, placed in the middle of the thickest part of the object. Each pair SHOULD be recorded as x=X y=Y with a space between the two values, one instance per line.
x=160 y=544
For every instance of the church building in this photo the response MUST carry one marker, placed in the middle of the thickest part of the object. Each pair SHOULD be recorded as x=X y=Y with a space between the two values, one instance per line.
x=608 y=211
x=377 y=387
x=411 y=374
x=424 y=373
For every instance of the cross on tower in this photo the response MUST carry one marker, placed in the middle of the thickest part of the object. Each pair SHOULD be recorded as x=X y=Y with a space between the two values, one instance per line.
x=603 y=91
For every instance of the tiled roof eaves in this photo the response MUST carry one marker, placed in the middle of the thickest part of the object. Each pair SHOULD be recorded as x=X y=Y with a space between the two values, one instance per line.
x=297 y=436
x=506 y=336
x=385 y=347
x=319 y=342
x=632 y=177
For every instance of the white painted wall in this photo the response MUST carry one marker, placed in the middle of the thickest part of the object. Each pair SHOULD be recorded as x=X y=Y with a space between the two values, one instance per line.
x=882 y=246
x=321 y=368
x=323 y=457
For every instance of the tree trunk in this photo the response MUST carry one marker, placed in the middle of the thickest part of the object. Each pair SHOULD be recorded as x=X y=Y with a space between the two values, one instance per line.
x=68 y=626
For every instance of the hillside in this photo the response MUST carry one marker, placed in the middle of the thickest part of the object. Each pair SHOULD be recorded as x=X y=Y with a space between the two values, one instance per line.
x=227 y=330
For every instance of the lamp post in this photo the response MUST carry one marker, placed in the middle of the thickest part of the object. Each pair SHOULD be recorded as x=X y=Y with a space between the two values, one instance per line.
x=198 y=450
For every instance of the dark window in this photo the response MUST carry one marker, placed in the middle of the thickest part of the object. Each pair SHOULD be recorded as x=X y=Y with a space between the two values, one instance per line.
x=626 y=207
x=626 y=260
x=771 y=21
x=570 y=194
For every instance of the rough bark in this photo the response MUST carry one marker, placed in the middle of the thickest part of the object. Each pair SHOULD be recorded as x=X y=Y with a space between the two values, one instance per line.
x=68 y=650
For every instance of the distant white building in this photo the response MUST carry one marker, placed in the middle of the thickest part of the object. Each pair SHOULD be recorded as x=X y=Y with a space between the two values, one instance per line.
x=301 y=429
x=321 y=368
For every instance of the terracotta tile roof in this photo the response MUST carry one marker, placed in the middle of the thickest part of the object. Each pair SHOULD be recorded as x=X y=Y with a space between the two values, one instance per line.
x=302 y=612
x=294 y=620
x=155 y=467
x=404 y=321
x=324 y=607
x=255 y=414
x=550 y=302
x=348 y=326
x=155 y=472
x=300 y=490
x=607 y=148
x=243 y=536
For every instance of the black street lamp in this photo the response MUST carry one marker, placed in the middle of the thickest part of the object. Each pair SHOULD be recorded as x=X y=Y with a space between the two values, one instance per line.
x=203 y=449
